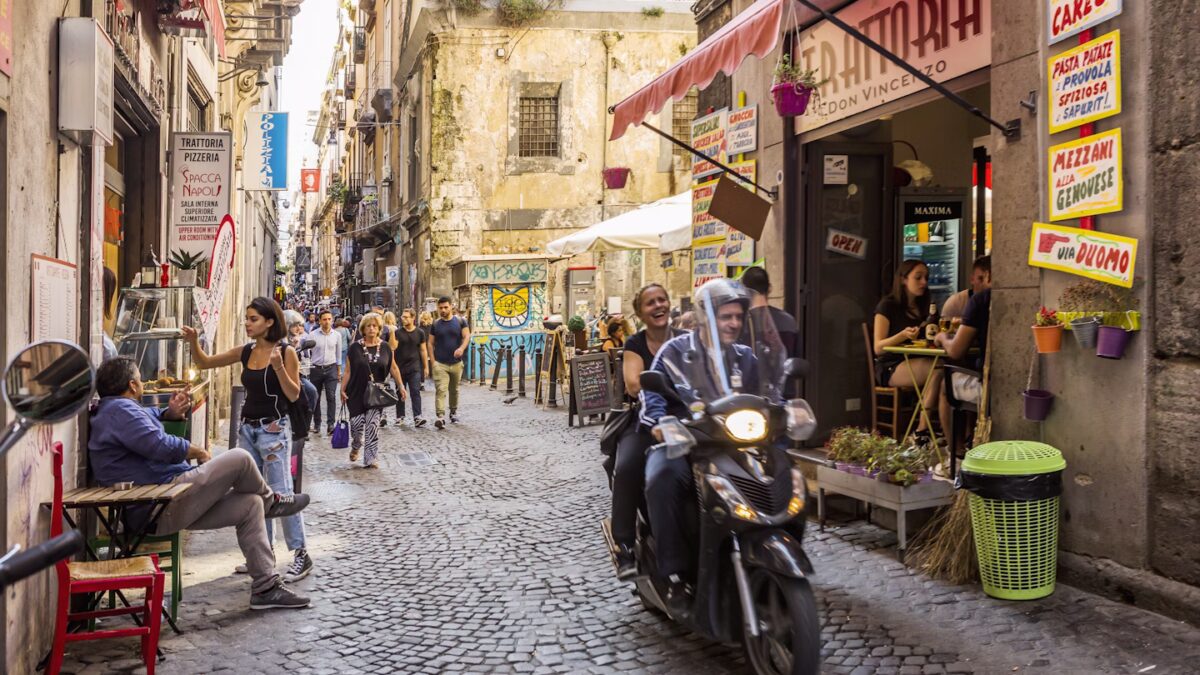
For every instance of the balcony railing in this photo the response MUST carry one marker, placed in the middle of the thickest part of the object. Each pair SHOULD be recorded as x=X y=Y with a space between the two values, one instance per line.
x=351 y=85
x=360 y=44
x=381 y=90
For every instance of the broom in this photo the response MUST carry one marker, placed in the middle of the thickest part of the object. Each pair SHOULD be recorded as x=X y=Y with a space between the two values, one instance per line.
x=944 y=548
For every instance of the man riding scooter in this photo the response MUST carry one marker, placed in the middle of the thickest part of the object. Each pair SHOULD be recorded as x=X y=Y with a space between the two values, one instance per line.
x=731 y=366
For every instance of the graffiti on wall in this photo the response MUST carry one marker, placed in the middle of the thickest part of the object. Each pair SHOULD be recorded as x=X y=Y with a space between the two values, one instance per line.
x=507 y=272
x=506 y=308
x=533 y=343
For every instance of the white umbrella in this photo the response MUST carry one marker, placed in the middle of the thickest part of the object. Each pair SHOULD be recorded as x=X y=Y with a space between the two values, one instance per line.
x=665 y=224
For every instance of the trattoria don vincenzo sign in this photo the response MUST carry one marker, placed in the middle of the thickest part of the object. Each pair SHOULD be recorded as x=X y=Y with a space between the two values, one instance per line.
x=941 y=38
x=1085 y=83
x=1085 y=176
x=1096 y=255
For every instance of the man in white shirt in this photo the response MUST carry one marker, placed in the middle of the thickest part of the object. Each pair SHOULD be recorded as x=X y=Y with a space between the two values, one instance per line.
x=326 y=369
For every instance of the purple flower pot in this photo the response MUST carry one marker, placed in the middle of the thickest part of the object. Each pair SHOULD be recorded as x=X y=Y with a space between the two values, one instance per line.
x=1037 y=404
x=926 y=477
x=858 y=469
x=791 y=99
x=1111 y=342
x=843 y=466
x=614 y=178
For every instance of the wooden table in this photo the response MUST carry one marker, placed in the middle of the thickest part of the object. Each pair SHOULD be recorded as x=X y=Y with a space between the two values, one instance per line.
x=900 y=499
x=122 y=543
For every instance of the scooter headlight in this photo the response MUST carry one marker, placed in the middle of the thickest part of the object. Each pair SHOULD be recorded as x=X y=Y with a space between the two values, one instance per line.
x=746 y=425
x=733 y=499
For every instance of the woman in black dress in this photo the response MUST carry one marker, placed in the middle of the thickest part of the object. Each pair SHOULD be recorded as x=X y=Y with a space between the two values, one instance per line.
x=370 y=360
x=898 y=319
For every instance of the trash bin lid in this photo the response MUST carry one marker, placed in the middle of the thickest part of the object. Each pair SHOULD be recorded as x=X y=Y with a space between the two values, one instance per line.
x=1013 y=458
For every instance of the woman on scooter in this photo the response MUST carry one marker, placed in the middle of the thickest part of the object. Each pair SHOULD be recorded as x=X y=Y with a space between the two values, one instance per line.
x=653 y=306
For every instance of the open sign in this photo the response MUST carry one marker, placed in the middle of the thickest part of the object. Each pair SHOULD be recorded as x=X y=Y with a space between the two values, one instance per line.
x=846 y=244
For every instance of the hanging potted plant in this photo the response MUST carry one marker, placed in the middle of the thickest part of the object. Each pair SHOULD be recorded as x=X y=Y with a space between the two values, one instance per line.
x=1089 y=305
x=1037 y=402
x=793 y=87
x=1112 y=340
x=1047 y=332
x=187 y=264
x=615 y=177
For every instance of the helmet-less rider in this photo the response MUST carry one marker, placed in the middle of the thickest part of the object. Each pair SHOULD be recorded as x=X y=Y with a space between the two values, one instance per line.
x=704 y=365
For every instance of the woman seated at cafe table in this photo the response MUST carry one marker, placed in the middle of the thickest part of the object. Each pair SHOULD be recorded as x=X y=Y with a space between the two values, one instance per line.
x=898 y=319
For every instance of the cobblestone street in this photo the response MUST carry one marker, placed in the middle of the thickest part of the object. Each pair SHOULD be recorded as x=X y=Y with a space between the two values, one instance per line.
x=489 y=558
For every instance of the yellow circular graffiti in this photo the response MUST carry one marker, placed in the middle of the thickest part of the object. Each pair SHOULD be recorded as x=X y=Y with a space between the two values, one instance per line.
x=510 y=308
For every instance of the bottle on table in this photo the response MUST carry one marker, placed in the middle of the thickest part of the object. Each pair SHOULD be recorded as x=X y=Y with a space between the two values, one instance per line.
x=931 y=324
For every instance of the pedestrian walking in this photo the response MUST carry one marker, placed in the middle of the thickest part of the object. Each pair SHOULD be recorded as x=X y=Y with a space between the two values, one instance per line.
x=412 y=357
x=343 y=329
x=296 y=337
x=448 y=342
x=370 y=362
x=327 y=367
x=389 y=338
x=271 y=378
x=426 y=325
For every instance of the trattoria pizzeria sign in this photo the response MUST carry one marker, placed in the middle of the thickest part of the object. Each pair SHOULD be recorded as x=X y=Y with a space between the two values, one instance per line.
x=1104 y=257
x=1085 y=176
x=941 y=38
x=201 y=165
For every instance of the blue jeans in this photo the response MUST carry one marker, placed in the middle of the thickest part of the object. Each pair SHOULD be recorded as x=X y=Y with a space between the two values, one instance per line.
x=272 y=452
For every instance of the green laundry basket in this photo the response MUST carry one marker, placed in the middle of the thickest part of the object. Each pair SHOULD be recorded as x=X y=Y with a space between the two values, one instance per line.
x=1015 y=488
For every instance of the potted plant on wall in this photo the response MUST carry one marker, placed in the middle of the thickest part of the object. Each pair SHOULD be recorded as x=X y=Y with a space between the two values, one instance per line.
x=615 y=177
x=187 y=264
x=1037 y=402
x=578 y=328
x=1047 y=331
x=793 y=87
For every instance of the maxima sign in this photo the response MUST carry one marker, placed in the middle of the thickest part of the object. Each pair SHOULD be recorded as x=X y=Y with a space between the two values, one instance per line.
x=941 y=38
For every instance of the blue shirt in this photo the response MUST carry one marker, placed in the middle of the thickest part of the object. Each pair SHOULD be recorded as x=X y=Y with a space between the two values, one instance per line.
x=447 y=337
x=128 y=444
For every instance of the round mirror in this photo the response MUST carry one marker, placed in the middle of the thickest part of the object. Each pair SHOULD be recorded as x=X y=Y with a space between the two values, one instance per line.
x=49 y=381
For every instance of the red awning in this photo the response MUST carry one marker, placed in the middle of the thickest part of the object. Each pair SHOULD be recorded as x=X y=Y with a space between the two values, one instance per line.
x=755 y=31
x=192 y=18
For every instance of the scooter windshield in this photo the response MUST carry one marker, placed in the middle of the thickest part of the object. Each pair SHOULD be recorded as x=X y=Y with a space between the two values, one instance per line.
x=735 y=348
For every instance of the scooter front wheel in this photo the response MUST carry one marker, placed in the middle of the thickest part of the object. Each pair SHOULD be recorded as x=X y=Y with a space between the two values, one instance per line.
x=789 y=635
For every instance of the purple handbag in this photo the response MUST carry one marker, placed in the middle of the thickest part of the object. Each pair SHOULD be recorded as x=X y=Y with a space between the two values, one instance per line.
x=340 y=438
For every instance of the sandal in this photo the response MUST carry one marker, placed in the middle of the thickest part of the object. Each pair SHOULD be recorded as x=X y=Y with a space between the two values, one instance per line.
x=354 y=455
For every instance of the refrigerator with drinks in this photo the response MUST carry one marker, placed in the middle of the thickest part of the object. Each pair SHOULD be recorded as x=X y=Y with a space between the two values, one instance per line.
x=936 y=229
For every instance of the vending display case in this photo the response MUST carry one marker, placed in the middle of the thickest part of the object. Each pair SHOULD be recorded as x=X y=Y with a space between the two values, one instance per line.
x=148 y=331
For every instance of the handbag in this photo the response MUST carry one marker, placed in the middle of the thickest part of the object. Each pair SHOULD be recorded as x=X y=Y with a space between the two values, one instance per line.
x=615 y=427
x=380 y=394
x=340 y=438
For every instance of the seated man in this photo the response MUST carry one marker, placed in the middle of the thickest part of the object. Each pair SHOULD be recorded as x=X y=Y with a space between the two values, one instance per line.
x=128 y=444
x=973 y=331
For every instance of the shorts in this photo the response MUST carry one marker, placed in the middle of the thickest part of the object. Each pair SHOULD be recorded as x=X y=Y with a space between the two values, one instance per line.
x=967 y=388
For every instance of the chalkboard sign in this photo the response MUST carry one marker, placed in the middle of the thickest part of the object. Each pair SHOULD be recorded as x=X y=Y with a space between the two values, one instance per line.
x=591 y=384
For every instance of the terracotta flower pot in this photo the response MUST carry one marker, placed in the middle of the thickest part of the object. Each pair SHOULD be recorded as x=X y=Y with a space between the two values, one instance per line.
x=1048 y=338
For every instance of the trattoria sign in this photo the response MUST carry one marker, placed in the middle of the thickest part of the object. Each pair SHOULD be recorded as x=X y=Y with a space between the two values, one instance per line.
x=1085 y=83
x=1068 y=17
x=941 y=38
x=1085 y=176
x=1104 y=257
x=201 y=164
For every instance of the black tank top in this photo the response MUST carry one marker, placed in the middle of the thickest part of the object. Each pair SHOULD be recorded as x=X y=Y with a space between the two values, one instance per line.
x=265 y=399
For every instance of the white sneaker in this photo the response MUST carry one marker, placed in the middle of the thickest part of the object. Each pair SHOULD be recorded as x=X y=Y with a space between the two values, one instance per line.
x=241 y=569
x=299 y=568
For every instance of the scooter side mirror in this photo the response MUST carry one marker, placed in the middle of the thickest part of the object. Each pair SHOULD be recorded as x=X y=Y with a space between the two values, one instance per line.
x=795 y=368
x=49 y=381
x=652 y=380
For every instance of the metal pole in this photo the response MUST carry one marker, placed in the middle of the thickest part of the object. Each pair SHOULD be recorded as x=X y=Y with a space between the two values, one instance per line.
x=482 y=367
x=508 y=374
x=237 y=397
x=552 y=399
x=496 y=369
x=521 y=371
x=537 y=377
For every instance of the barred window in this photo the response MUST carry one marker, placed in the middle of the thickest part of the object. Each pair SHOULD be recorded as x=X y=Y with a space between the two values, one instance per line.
x=683 y=112
x=538 y=126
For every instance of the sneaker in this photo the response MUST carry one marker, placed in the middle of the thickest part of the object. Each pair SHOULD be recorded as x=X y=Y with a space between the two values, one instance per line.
x=626 y=564
x=287 y=505
x=354 y=455
x=328 y=431
x=419 y=423
x=241 y=569
x=453 y=417
x=678 y=598
x=280 y=597
x=440 y=423
x=299 y=568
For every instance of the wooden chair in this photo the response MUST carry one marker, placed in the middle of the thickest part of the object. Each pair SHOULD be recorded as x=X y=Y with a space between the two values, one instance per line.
x=169 y=549
x=887 y=403
x=89 y=578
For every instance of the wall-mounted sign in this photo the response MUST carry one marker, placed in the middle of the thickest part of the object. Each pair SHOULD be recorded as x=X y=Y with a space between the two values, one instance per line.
x=705 y=228
x=265 y=160
x=85 y=81
x=1085 y=83
x=303 y=262
x=209 y=300
x=846 y=244
x=926 y=212
x=1085 y=176
x=708 y=136
x=310 y=180
x=1104 y=257
x=1068 y=17
x=941 y=39
x=837 y=169
x=201 y=166
x=708 y=263
x=392 y=274
x=741 y=132
x=6 y=45
x=54 y=310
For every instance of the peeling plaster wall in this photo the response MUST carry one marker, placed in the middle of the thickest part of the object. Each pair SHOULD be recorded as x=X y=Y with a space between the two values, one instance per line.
x=481 y=201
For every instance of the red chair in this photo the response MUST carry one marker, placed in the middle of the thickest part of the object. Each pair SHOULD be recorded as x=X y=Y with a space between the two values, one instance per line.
x=88 y=578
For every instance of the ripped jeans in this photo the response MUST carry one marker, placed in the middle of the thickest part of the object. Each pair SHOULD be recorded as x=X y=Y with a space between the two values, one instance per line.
x=271 y=447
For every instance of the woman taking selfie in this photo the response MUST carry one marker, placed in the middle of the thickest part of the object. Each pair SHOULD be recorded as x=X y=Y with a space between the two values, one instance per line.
x=271 y=378
x=898 y=320
x=369 y=364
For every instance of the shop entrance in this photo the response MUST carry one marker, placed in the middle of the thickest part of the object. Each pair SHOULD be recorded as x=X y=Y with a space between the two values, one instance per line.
x=849 y=243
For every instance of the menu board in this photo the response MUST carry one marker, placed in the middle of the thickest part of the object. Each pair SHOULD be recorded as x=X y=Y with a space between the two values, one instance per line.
x=1085 y=83
x=54 y=310
x=591 y=384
